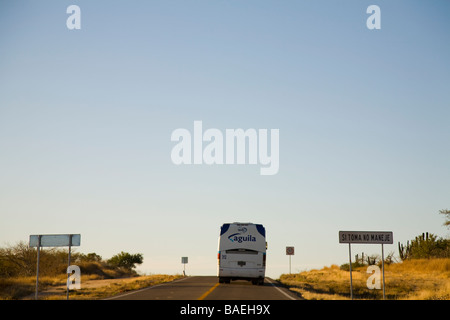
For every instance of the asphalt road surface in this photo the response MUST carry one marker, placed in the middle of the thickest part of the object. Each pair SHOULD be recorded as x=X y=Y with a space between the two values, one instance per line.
x=208 y=288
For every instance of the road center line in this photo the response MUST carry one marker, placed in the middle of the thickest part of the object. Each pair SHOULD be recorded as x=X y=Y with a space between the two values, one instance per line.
x=208 y=292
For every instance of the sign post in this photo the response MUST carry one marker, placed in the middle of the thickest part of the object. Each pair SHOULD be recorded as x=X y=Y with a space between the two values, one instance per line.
x=382 y=266
x=350 y=264
x=53 y=240
x=68 y=263
x=184 y=260
x=37 y=267
x=368 y=237
x=289 y=252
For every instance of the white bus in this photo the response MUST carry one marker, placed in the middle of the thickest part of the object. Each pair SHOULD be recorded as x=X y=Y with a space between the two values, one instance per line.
x=242 y=253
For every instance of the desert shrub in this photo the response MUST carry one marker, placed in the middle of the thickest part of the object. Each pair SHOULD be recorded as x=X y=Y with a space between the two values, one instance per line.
x=126 y=260
x=425 y=246
x=20 y=261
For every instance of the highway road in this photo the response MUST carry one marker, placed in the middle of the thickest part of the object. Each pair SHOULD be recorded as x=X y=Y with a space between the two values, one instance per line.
x=208 y=288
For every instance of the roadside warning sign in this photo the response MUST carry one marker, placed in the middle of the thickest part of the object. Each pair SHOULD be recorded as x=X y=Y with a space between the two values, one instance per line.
x=380 y=237
x=290 y=251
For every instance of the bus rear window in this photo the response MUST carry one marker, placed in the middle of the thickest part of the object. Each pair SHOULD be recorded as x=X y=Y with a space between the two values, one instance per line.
x=241 y=251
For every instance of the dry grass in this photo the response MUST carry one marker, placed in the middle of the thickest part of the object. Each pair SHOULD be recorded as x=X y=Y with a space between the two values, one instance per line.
x=92 y=287
x=418 y=279
x=98 y=289
x=18 y=287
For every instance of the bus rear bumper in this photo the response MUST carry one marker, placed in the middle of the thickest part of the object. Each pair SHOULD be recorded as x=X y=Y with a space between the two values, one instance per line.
x=250 y=274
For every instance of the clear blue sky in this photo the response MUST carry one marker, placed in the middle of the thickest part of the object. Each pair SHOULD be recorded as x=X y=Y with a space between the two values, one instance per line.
x=86 y=117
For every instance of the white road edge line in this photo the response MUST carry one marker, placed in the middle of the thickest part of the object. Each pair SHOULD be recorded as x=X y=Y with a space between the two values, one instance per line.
x=133 y=292
x=292 y=298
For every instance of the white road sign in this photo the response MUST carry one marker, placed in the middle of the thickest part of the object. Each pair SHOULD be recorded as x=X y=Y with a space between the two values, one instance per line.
x=55 y=240
x=381 y=237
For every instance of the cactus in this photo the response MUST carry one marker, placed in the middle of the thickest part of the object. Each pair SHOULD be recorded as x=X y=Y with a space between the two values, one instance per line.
x=404 y=252
x=424 y=246
x=371 y=260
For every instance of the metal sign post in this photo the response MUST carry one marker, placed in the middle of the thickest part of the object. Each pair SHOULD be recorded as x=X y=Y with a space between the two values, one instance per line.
x=350 y=263
x=382 y=266
x=368 y=237
x=37 y=267
x=52 y=240
x=290 y=252
x=68 y=263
